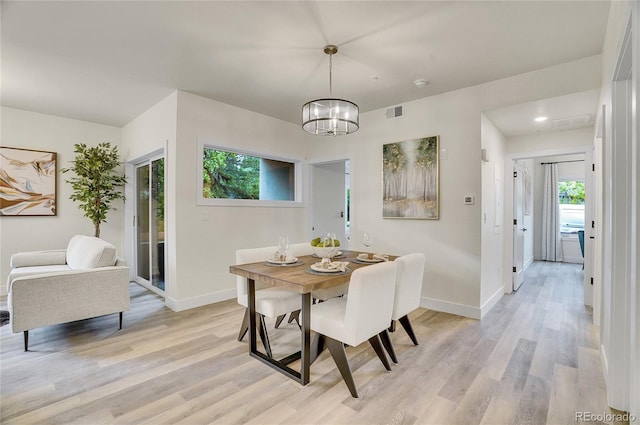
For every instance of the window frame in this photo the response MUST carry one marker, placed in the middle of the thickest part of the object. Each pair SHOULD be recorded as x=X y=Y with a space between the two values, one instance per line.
x=221 y=202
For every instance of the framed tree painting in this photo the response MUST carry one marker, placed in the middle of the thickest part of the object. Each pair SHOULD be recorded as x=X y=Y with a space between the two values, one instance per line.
x=28 y=182
x=411 y=179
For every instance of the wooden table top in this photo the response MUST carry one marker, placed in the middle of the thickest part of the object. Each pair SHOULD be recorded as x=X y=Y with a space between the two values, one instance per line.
x=296 y=278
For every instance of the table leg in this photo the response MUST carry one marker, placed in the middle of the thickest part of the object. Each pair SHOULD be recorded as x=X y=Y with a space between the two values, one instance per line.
x=251 y=294
x=306 y=339
x=282 y=364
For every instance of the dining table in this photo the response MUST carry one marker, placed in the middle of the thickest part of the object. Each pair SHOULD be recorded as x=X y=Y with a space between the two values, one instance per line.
x=300 y=278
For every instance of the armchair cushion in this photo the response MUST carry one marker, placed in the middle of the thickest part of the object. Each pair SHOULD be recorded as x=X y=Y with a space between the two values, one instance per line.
x=86 y=252
x=34 y=270
x=38 y=258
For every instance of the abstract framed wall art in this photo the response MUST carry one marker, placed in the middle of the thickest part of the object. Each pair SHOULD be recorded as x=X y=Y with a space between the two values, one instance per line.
x=411 y=179
x=28 y=182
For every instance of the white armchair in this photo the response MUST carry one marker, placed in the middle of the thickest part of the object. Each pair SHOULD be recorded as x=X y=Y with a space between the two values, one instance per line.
x=83 y=281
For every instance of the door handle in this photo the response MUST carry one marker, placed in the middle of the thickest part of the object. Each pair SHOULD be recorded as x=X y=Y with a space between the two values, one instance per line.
x=523 y=229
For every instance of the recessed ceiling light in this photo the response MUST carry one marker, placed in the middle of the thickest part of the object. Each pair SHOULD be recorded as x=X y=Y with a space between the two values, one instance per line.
x=540 y=118
x=421 y=83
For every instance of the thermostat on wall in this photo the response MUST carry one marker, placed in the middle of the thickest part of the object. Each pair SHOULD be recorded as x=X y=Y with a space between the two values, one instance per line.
x=468 y=199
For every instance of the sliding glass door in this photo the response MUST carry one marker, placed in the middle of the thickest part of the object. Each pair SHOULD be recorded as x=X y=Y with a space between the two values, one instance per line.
x=149 y=224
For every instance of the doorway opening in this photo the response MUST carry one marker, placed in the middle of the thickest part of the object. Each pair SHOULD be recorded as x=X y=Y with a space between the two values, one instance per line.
x=552 y=201
x=149 y=224
x=331 y=199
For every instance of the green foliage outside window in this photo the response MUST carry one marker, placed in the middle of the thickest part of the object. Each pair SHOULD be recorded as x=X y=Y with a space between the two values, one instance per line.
x=571 y=192
x=230 y=175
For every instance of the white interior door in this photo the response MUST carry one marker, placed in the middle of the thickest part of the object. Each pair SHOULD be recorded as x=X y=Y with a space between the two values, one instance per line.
x=518 y=226
x=328 y=204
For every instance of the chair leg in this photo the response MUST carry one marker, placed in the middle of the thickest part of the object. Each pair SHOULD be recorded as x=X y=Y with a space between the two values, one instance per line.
x=26 y=340
x=279 y=320
x=245 y=325
x=377 y=347
x=120 y=321
x=406 y=324
x=262 y=330
x=295 y=315
x=336 y=348
x=392 y=327
x=386 y=341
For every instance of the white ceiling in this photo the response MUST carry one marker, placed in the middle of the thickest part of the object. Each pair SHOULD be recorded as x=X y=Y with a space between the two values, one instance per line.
x=566 y=112
x=109 y=61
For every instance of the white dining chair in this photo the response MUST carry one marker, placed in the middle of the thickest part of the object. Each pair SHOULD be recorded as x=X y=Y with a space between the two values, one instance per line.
x=407 y=296
x=270 y=302
x=361 y=316
x=300 y=250
x=295 y=250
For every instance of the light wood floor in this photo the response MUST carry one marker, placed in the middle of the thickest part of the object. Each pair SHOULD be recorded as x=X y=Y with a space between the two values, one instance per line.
x=532 y=360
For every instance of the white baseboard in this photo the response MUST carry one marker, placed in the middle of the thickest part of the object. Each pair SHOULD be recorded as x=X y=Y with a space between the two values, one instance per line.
x=199 y=301
x=576 y=260
x=493 y=300
x=527 y=263
x=452 y=308
x=605 y=363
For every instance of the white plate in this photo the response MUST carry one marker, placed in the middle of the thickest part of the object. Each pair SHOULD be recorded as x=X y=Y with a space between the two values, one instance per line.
x=372 y=260
x=318 y=268
x=287 y=261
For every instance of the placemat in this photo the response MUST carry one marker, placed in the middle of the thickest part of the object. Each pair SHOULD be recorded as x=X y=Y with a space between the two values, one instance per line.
x=359 y=261
x=311 y=271
x=297 y=263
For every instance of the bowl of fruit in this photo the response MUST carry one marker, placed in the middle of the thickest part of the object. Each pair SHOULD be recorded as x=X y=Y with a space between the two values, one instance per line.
x=326 y=247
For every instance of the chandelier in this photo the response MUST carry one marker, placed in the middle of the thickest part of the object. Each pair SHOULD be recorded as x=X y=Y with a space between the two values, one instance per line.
x=330 y=116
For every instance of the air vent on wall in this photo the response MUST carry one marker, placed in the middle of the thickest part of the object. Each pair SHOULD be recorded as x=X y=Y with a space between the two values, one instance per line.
x=571 y=122
x=394 y=112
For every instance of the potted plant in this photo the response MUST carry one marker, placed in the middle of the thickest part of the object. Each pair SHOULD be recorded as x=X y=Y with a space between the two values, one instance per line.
x=96 y=183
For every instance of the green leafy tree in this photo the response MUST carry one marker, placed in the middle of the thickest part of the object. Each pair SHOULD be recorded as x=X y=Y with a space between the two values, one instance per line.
x=230 y=175
x=96 y=183
x=571 y=192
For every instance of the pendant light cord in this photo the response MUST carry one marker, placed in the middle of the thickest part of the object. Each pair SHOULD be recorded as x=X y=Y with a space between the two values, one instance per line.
x=330 y=75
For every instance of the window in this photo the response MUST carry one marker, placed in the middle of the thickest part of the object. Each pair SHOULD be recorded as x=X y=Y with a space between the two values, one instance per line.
x=231 y=177
x=571 y=200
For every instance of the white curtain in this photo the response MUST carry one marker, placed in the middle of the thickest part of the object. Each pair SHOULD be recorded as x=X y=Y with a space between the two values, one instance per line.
x=551 y=242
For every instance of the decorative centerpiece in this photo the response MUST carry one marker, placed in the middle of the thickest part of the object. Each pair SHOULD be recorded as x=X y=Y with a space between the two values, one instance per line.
x=326 y=247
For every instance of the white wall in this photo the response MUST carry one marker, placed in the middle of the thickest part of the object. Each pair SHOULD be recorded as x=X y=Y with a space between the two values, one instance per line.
x=549 y=141
x=22 y=129
x=152 y=131
x=618 y=231
x=492 y=210
x=207 y=236
x=451 y=244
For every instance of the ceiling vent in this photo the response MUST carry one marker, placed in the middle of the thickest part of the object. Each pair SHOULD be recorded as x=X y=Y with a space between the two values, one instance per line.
x=571 y=122
x=394 y=112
